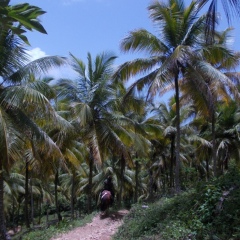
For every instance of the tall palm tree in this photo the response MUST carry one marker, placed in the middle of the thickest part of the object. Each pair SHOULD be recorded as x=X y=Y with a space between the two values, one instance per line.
x=15 y=21
x=211 y=79
x=178 y=31
x=167 y=117
x=92 y=97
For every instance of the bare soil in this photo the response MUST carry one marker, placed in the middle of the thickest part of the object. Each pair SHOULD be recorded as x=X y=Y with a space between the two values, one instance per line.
x=102 y=227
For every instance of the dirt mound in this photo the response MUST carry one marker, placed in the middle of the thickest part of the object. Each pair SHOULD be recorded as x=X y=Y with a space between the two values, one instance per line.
x=102 y=227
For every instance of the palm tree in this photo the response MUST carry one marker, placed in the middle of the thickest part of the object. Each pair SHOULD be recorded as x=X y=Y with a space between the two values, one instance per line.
x=15 y=21
x=226 y=132
x=167 y=118
x=227 y=135
x=92 y=97
x=230 y=7
x=19 y=19
x=179 y=29
x=211 y=79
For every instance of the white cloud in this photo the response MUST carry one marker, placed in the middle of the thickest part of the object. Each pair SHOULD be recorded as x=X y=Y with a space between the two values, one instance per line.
x=62 y=72
x=36 y=53
x=56 y=73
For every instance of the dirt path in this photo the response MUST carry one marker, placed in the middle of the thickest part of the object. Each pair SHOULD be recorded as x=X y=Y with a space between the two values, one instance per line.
x=101 y=228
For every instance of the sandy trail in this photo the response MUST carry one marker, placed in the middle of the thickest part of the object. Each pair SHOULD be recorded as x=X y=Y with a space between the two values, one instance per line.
x=101 y=228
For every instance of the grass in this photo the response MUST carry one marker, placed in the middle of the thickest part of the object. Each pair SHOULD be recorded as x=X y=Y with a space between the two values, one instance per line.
x=65 y=225
x=210 y=211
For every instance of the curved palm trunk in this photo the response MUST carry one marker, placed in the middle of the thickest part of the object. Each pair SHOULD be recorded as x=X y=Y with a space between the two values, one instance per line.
x=178 y=163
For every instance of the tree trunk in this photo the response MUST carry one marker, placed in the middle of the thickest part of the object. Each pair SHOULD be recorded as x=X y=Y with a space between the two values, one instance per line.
x=3 y=231
x=27 y=222
x=121 y=179
x=73 y=194
x=13 y=211
x=56 y=196
x=150 y=184
x=40 y=209
x=32 y=206
x=214 y=150
x=172 y=161
x=137 y=181
x=90 y=181
x=207 y=168
x=178 y=163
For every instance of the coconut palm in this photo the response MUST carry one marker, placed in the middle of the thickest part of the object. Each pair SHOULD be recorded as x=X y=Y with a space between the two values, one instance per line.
x=230 y=8
x=19 y=19
x=178 y=30
x=227 y=139
x=211 y=79
x=16 y=20
x=167 y=118
x=92 y=97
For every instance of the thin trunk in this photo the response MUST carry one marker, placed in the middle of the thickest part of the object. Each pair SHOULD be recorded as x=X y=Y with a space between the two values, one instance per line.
x=172 y=161
x=121 y=179
x=178 y=163
x=27 y=222
x=40 y=209
x=13 y=211
x=150 y=184
x=207 y=168
x=72 y=194
x=18 y=212
x=214 y=151
x=32 y=207
x=3 y=231
x=56 y=196
x=90 y=181
x=137 y=182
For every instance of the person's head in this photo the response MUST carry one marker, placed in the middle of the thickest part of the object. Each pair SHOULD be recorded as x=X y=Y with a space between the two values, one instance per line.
x=109 y=178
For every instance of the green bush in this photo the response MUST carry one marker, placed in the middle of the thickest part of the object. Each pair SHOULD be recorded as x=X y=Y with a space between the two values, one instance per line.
x=64 y=226
x=210 y=211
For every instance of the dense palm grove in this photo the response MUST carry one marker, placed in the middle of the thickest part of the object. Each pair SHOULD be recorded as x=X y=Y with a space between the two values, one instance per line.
x=60 y=138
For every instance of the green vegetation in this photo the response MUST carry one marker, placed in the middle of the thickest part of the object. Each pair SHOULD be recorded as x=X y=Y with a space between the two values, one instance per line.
x=60 y=138
x=62 y=227
x=210 y=211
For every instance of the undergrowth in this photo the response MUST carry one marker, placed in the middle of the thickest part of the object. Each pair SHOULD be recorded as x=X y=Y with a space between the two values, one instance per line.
x=65 y=225
x=209 y=211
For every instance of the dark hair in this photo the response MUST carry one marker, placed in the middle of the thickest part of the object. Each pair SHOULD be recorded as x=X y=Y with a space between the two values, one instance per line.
x=109 y=178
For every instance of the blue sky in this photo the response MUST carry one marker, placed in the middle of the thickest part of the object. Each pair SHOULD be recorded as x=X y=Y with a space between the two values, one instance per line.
x=81 y=26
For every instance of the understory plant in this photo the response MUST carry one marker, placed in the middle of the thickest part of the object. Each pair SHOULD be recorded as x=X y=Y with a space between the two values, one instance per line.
x=209 y=211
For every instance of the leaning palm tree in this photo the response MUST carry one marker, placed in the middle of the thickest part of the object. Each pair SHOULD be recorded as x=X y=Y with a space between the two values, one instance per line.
x=178 y=30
